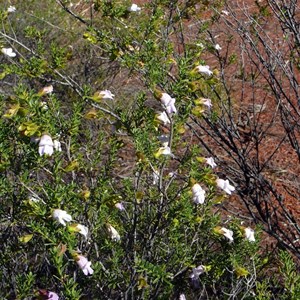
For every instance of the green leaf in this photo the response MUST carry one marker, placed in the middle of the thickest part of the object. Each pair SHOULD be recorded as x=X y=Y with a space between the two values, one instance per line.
x=241 y=272
x=72 y=166
x=12 y=111
x=25 y=238
x=28 y=128
x=142 y=283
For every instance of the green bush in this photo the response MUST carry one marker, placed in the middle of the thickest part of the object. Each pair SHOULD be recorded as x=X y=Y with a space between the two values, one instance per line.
x=103 y=196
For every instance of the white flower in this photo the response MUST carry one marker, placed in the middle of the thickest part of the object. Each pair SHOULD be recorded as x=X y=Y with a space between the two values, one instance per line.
x=225 y=186
x=204 y=70
x=84 y=265
x=172 y=174
x=11 y=9
x=61 y=216
x=249 y=234
x=198 y=194
x=225 y=12
x=162 y=116
x=47 y=90
x=182 y=297
x=46 y=145
x=57 y=145
x=155 y=176
x=200 y=45
x=120 y=206
x=134 y=8
x=113 y=233
x=197 y=272
x=106 y=94
x=52 y=296
x=217 y=47
x=227 y=233
x=44 y=105
x=34 y=199
x=168 y=103
x=9 y=52
x=210 y=161
x=165 y=150
x=82 y=230
x=206 y=102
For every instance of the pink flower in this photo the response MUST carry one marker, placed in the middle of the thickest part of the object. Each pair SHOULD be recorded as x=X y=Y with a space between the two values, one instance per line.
x=120 y=206
x=84 y=265
x=47 y=90
x=52 y=296
x=168 y=103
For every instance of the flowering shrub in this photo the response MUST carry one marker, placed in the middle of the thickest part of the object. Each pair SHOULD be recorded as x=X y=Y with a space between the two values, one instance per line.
x=109 y=155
